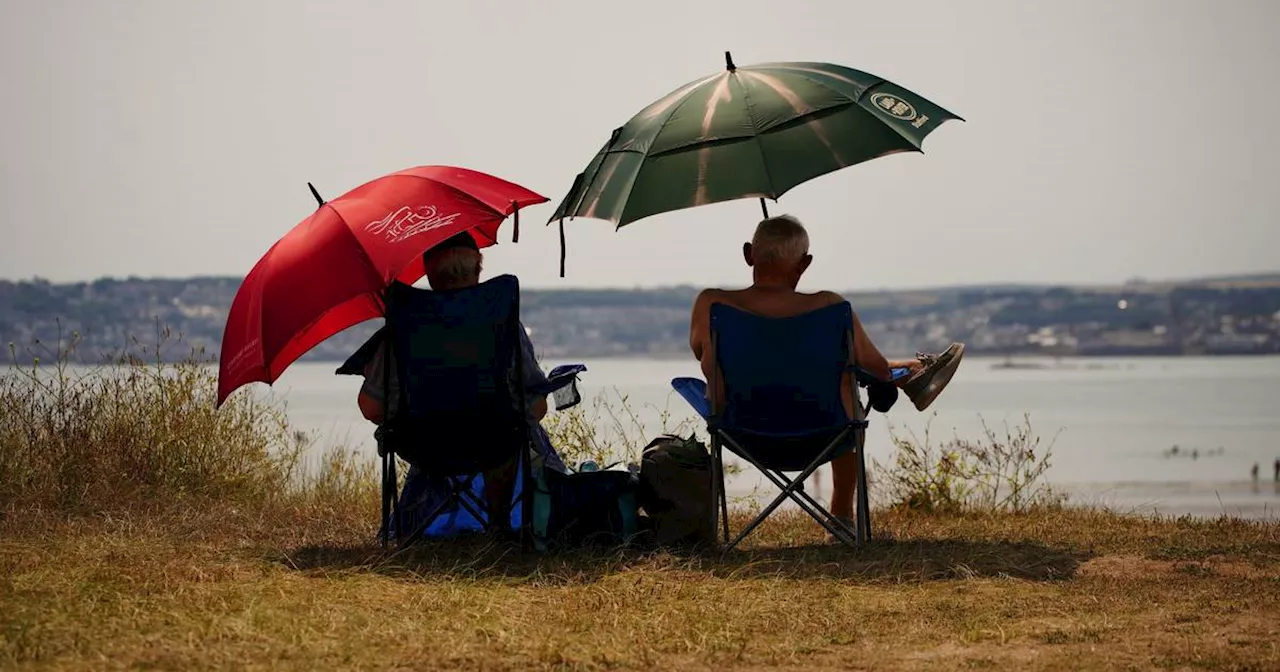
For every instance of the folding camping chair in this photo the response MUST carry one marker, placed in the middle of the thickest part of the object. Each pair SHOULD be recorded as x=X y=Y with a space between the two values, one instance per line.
x=561 y=383
x=458 y=363
x=782 y=410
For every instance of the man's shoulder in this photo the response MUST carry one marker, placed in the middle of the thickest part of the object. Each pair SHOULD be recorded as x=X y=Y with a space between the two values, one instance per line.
x=711 y=295
x=823 y=298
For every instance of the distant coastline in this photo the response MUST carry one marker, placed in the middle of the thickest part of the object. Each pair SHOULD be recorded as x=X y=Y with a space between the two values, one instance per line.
x=1210 y=317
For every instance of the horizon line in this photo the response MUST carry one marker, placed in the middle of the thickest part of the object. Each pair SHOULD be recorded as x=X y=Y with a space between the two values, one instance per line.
x=1272 y=276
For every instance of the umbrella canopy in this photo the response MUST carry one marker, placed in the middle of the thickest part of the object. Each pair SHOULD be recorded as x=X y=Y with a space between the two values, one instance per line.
x=330 y=271
x=749 y=132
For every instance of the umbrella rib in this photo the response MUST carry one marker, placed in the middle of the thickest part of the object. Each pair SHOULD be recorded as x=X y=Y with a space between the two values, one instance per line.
x=680 y=104
x=630 y=186
x=270 y=365
x=684 y=99
x=797 y=121
x=755 y=134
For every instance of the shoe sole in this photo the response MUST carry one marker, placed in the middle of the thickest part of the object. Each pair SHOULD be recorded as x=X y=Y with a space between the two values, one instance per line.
x=939 y=381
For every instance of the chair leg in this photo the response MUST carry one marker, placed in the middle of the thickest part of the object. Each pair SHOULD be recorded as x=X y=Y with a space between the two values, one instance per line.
x=788 y=491
x=724 y=505
x=526 y=477
x=793 y=489
x=724 y=494
x=459 y=492
x=825 y=518
x=393 y=478
x=386 y=503
x=476 y=508
x=719 y=509
x=864 y=499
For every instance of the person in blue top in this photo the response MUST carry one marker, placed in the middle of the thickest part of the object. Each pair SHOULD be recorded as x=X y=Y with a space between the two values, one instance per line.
x=456 y=263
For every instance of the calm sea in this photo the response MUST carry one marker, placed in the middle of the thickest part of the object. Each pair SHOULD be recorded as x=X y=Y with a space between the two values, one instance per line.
x=1113 y=422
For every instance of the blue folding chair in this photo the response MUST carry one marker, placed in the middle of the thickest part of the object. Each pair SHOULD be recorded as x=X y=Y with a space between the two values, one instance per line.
x=458 y=363
x=464 y=335
x=782 y=409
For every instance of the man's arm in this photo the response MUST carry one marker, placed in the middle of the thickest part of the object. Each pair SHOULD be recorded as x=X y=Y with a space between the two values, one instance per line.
x=370 y=399
x=700 y=331
x=533 y=375
x=867 y=356
x=538 y=408
x=700 y=324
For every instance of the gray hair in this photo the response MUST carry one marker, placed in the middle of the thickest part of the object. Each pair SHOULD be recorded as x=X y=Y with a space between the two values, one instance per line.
x=780 y=239
x=453 y=265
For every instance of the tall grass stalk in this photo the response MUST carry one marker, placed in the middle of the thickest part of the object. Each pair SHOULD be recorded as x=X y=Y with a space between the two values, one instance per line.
x=998 y=471
x=138 y=430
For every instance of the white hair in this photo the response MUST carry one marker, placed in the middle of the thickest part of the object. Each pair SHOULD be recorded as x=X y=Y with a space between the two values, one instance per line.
x=453 y=266
x=780 y=239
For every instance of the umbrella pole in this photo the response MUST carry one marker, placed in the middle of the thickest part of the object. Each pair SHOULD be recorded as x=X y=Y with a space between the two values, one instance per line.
x=764 y=208
x=562 y=247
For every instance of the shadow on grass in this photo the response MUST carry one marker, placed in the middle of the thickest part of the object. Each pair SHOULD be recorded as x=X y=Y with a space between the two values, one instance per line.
x=910 y=560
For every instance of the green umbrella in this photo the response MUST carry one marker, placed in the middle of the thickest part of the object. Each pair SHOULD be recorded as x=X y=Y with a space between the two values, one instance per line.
x=749 y=132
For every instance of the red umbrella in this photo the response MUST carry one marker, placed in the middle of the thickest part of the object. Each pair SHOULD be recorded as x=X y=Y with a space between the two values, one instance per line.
x=330 y=271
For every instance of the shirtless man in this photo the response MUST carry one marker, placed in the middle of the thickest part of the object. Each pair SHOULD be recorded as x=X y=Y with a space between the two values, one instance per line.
x=778 y=255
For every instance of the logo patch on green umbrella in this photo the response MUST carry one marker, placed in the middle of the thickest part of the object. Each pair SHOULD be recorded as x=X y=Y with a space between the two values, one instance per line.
x=894 y=106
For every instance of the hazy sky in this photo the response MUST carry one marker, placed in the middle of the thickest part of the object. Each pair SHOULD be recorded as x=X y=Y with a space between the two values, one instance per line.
x=1104 y=139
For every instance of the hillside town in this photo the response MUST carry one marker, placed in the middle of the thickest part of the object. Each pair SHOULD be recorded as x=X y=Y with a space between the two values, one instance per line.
x=109 y=317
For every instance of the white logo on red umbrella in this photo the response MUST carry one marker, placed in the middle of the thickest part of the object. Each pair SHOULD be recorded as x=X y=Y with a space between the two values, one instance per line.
x=408 y=222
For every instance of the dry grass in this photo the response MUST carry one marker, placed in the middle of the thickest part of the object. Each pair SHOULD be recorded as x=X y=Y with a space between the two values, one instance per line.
x=215 y=587
x=138 y=529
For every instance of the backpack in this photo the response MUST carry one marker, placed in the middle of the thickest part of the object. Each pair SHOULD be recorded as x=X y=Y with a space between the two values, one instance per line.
x=585 y=507
x=675 y=491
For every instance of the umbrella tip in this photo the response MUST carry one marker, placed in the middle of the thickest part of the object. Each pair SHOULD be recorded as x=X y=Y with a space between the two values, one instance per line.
x=728 y=62
x=319 y=200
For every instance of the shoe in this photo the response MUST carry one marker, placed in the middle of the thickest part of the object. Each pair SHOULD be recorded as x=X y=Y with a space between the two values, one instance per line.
x=927 y=383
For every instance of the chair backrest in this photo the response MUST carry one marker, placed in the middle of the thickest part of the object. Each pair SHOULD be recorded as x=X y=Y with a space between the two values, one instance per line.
x=458 y=362
x=782 y=375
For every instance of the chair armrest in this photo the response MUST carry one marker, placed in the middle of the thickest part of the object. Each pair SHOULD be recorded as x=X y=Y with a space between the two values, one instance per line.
x=565 y=374
x=864 y=378
x=694 y=391
x=563 y=383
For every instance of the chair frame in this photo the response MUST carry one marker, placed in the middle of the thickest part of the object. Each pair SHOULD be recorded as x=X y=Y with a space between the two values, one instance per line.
x=791 y=488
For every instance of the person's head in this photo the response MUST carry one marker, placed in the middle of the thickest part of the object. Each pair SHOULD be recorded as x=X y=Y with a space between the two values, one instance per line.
x=453 y=264
x=779 y=250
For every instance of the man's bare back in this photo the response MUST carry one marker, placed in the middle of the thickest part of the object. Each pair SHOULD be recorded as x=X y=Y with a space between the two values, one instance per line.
x=776 y=302
x=773 y=301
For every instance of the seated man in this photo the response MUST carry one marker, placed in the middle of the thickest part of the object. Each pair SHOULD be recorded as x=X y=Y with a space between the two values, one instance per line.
x=455 y=264
x=778 y=255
